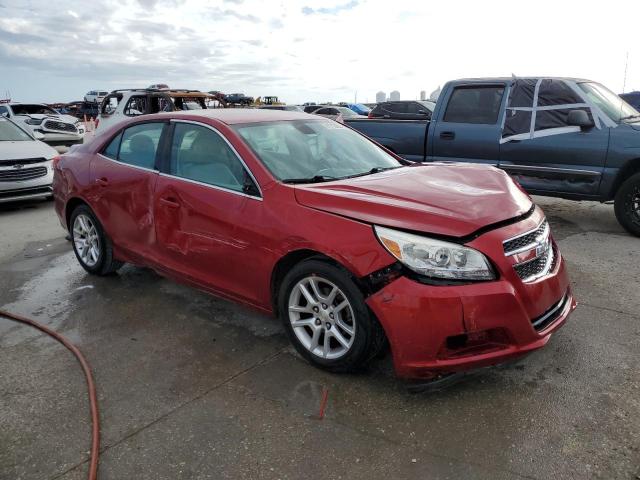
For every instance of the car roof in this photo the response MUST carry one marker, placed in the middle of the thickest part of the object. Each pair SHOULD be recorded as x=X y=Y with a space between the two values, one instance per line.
x=510 y=79
x=233 y=116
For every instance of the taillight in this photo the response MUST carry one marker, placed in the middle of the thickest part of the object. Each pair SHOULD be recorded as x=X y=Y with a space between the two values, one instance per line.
x=370 y=115
x=97 y=121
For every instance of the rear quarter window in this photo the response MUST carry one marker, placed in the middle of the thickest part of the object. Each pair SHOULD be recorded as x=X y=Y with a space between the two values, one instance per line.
x=477 y=105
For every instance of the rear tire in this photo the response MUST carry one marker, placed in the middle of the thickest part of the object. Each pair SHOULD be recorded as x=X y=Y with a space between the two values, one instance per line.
x=91 y=245
x=334 y=329
x=627 y=204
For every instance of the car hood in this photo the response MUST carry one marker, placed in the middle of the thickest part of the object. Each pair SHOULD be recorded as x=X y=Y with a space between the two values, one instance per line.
x=25 y=149
x=60 y=117
x=445 y=199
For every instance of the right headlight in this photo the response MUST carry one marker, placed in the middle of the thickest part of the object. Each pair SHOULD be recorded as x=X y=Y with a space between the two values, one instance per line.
x=34 y=121
x=435 y=258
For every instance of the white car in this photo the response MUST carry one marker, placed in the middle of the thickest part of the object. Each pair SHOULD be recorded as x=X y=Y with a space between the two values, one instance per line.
x=121 y=104
x=95 y=96
x=25 y=164
x=56 y=128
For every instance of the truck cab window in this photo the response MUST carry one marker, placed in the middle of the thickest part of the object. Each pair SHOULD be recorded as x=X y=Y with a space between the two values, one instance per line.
x=478 y=105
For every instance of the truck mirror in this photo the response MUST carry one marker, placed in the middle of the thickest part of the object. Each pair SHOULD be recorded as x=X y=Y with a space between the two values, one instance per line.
x=579 y=118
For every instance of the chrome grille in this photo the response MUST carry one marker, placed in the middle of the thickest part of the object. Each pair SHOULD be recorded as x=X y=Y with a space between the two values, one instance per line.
x=21 y=174
x=538 y=267
x=526 y=241
x=62 y=126
x=21 y=161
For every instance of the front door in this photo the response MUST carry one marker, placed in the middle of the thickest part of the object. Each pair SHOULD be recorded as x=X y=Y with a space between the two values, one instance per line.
x=207 y=209
x=124 y=177
x=469 y=130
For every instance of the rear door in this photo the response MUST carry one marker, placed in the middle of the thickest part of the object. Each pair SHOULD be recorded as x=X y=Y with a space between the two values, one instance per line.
x=469 y=125
x=207 y=209
x=124 y=177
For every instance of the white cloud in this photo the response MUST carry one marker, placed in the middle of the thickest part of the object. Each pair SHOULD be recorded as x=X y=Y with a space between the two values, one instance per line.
x=307 y=50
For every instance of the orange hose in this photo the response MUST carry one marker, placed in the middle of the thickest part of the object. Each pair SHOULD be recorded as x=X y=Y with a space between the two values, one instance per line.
x=93 y=399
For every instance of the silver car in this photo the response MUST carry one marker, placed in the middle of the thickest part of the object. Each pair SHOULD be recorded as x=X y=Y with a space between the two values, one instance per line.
x=25 y=164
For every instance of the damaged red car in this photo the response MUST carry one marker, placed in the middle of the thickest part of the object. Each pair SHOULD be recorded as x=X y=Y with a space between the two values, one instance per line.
x=352 y=247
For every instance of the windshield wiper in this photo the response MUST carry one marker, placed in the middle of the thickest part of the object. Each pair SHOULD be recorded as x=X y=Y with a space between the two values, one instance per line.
x=314 y=179
x=372 y=171
x=629 y=117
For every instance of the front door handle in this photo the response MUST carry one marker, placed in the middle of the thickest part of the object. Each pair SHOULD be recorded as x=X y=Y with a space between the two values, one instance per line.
x=170 y=202
x=102 y=181
x=447 y=135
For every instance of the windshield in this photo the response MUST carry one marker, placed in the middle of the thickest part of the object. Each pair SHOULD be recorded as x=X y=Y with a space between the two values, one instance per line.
x=430 y=105
x=32 y=109
x=11 y=133
x=610 y=103
x=305 y=149
x=347 y=112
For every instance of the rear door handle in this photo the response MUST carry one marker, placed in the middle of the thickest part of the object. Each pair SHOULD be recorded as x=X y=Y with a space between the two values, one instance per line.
x=102 y=181
x=447 y=135
x=170 y=202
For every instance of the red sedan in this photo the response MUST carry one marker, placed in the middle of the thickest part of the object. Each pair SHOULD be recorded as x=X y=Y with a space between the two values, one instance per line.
x=304 y=218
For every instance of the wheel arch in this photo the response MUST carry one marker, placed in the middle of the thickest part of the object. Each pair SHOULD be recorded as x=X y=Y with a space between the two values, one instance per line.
x=630 y=168
x=71 y=205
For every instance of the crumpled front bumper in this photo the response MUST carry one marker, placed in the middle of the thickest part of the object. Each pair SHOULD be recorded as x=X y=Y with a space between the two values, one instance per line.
x=436 y=329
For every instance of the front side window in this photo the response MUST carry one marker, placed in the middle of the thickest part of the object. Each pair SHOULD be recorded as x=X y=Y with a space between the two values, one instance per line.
x=306 y=150
x=200 y=154
x=139 y=144
x=136 y=106
x=110 y=103
x=478 y=105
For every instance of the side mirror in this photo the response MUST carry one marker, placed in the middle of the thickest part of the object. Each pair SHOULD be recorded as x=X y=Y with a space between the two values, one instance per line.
x=38 y=135
x=579 y=118
x=424 y=112
x=249 y=187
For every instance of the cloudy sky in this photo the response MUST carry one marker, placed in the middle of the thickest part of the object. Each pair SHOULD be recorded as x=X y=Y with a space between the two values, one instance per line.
x=307 y=50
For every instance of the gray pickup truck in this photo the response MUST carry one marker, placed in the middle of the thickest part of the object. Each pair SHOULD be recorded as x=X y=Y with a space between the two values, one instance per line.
x=560 y=137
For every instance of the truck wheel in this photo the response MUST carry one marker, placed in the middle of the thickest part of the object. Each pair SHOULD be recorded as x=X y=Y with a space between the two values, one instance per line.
x=627 y=204
x=326 y=317
x=91 y=245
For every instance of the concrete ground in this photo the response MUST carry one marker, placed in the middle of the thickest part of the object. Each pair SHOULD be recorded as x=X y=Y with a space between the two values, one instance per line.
x=193 y=387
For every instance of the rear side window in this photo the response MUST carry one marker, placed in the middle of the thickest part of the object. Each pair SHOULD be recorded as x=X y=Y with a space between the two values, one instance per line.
x=139 y=144
x=478 y=105
x=397 y=107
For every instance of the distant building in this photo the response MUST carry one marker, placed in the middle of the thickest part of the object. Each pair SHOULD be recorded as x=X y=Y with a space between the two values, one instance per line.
x=381 y=97
x=394 y=96
x=423 y=95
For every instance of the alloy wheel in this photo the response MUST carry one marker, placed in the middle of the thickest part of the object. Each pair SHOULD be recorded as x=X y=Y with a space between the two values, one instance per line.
x=86 y=240
x=322 y=317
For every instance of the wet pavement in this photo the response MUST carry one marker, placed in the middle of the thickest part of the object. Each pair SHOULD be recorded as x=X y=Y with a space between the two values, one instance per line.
x=194 y=387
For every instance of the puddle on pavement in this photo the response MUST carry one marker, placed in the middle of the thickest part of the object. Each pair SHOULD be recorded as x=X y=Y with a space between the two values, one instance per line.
x=46 y=298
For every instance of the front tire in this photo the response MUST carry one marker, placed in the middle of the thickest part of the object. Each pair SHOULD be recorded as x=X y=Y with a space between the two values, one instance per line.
x=326 y=317
x=91 y=245
x=627 y=204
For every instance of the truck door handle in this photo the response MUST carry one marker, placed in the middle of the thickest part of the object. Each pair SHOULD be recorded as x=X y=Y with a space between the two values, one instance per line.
x=102 y=181
x=170 y=202
x=447 y=135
